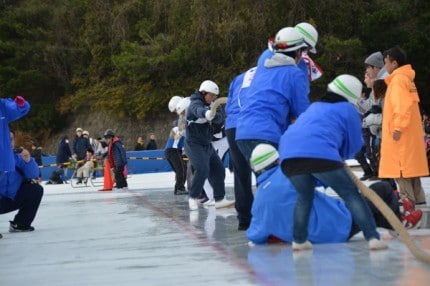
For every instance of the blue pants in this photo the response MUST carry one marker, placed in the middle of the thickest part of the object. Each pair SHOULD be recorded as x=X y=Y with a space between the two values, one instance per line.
x=27 y=201
x=343 y=185
x=207 y=165
x=242 y=179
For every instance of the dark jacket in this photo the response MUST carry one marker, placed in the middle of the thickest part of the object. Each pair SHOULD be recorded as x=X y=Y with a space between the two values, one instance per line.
x=63 y=151
x=80 y=147
x=116 y=153
x=199 y=130
x=152 y=145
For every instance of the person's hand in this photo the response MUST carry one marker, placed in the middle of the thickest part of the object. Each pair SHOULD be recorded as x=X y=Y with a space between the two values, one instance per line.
x=25 y=155
x=396 y=135
x=209 y=116
x=20 y=101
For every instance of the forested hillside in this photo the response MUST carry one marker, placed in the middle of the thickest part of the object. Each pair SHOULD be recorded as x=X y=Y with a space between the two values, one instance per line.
x=127 y=58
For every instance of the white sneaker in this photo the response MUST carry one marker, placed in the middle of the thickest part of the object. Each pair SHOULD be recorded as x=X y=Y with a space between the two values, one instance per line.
x=209 y=203
x=302 y=246
x=223 y=203
x=193 y=204
x=377 y=244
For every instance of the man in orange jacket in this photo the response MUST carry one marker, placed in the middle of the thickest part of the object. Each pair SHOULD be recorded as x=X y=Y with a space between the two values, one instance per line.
x=403 y=155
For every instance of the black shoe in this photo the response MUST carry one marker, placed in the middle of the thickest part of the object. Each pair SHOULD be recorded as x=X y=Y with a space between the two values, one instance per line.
x=1 y=235
x=79 y=181
x=181 y=191
x=365 y=177
x=243 y=226
x=13 y=227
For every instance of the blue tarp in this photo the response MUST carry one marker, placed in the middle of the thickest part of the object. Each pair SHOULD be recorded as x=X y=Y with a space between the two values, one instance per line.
x=139 y=162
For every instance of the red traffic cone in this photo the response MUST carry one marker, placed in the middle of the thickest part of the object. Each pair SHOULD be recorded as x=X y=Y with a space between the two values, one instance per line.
x=107 y=177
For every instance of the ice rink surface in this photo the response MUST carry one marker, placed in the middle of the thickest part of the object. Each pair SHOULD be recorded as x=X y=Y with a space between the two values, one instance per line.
x=147 y=236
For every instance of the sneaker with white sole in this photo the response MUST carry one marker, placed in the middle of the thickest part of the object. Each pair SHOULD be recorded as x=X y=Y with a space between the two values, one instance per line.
x=224 y=203
x=302 y=246
x=193 y=204
x=209 y=203
x=377 y=244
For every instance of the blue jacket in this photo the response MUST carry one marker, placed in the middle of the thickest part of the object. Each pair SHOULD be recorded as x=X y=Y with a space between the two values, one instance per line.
x=11 y=181
x=9 y=111
x=80 y=147
x=279 y=89
x=199 y=130
x=116 y=153
x=325 y=131
x=273 y=207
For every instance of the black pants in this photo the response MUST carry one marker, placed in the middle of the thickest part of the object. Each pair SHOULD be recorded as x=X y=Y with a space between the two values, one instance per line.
x=366 y=152
x=174 y=157
x=242 y=179
x=120 y=180
x=27 y=201
x=385 y=191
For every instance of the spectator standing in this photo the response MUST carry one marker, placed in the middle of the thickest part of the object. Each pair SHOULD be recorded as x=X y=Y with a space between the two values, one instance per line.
x=20 y=190
x=402 y=153
x=80 y=145
x=334 y=125
x=152 y=143
x=140 y=144
x=117 y=158
x=36 y=153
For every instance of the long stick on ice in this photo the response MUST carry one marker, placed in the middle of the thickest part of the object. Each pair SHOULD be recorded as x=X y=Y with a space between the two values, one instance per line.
x=420 y=254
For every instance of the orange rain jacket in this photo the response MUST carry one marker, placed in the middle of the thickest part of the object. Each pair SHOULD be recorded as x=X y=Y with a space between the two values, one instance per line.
x=404 y=158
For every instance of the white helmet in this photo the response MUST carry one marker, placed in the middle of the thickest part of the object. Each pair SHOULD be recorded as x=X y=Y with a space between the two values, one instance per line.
x=287 y=40
x=262 y=156
x=347 y=86
x=310 y=35
x=183 y=105
x=209 y=86
x=173 y=102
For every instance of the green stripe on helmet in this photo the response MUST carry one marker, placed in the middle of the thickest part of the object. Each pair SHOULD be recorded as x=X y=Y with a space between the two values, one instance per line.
x=263 y=158
x=343 y=88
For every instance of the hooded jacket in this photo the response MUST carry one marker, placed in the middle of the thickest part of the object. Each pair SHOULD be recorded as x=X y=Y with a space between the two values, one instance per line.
x=199 y=129
x=279 y=89
x=404 y=158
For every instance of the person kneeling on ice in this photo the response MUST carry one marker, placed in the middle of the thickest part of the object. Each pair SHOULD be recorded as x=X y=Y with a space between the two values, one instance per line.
x=20 y=190
x=330 y=220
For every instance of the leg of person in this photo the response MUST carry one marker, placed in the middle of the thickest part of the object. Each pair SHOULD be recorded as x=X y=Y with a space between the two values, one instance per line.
x=405 y=189
x=242 y=182
x=27 y=199
x=419 y=194
x=119 y=178
x=361 y=159
x=216 y=179
x=385 y=191
x=177 y=164
x=199 y=156
x=342 y=184
x=305 y=187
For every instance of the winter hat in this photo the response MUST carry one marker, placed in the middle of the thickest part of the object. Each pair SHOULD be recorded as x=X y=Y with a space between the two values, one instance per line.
x=376 y=59
x=79 y=129
x=262 y=156
x=347 y=86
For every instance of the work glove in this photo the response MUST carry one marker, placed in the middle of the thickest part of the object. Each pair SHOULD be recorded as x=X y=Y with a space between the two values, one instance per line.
x=20 y=101
x=209 y=116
